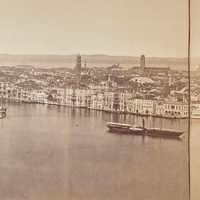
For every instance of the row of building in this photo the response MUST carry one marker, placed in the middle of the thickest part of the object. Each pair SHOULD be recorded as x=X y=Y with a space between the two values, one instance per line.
x=119 y=102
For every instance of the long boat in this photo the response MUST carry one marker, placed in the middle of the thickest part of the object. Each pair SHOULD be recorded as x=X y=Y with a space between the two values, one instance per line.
x=153 y=132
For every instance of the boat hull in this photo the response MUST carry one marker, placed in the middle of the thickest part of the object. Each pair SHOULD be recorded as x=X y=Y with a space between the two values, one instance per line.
x=164 y=133
x=119 y=130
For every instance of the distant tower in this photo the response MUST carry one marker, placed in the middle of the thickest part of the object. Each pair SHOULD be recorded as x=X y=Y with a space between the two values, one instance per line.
x=77 y=69
x=78 y=65
x=142 y=63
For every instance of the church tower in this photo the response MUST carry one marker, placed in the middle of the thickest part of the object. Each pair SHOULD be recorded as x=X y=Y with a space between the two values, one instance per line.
x=142 y=63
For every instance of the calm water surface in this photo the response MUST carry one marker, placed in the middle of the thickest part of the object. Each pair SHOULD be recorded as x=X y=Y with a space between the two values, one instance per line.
x=195 y=159
x=57 y=153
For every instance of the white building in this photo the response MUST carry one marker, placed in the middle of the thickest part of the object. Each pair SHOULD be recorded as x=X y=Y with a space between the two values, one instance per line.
x=144 y=107
x=175 y=110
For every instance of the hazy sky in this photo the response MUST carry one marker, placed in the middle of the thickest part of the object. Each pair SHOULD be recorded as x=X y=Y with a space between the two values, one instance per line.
x=116 y=27
x=195 y=28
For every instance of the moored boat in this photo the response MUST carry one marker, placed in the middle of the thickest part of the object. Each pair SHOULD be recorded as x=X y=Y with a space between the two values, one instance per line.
x=137 y=130
x=119 y=127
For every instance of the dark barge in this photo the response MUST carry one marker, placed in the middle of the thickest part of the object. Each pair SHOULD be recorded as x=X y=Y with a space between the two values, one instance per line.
x=152 y=132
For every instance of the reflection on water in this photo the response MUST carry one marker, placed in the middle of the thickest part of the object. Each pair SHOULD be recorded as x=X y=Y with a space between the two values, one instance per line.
x=50 y=152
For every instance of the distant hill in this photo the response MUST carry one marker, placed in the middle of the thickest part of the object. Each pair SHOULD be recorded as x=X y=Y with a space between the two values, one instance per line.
x=50 y=61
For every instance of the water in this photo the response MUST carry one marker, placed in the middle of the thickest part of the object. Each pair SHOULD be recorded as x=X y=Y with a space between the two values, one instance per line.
x=57 y=153
x=195 y=161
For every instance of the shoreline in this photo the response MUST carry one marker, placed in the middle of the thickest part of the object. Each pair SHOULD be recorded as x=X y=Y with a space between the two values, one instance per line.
x=101 y=110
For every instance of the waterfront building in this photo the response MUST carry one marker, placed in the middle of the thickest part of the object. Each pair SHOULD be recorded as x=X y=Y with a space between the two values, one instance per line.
x=125 y=100
x=76 y=97
x=80 y=98
x=144 y=107
x=130 y=105
x=109 y=101
x=60 y=96
x=120 y=102
x=39 y=96
x=98 y=101
x=69 y=99
x=159 y=109
x=116 y=102
x=175 y=110
x=93 y=104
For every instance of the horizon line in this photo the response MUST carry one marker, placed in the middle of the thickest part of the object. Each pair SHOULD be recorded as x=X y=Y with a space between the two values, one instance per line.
x=95 y=54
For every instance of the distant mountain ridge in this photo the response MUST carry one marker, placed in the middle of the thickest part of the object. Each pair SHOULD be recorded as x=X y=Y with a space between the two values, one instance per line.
x=91 y=61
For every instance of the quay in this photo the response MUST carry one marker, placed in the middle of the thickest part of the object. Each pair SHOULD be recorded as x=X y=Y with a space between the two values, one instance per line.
x=138 y=107
x=154 y=109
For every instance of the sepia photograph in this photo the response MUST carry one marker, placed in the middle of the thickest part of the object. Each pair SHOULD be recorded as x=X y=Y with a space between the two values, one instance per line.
x=99 y=100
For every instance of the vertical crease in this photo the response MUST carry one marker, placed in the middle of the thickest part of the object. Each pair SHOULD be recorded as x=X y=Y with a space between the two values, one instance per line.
x=189 y=97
